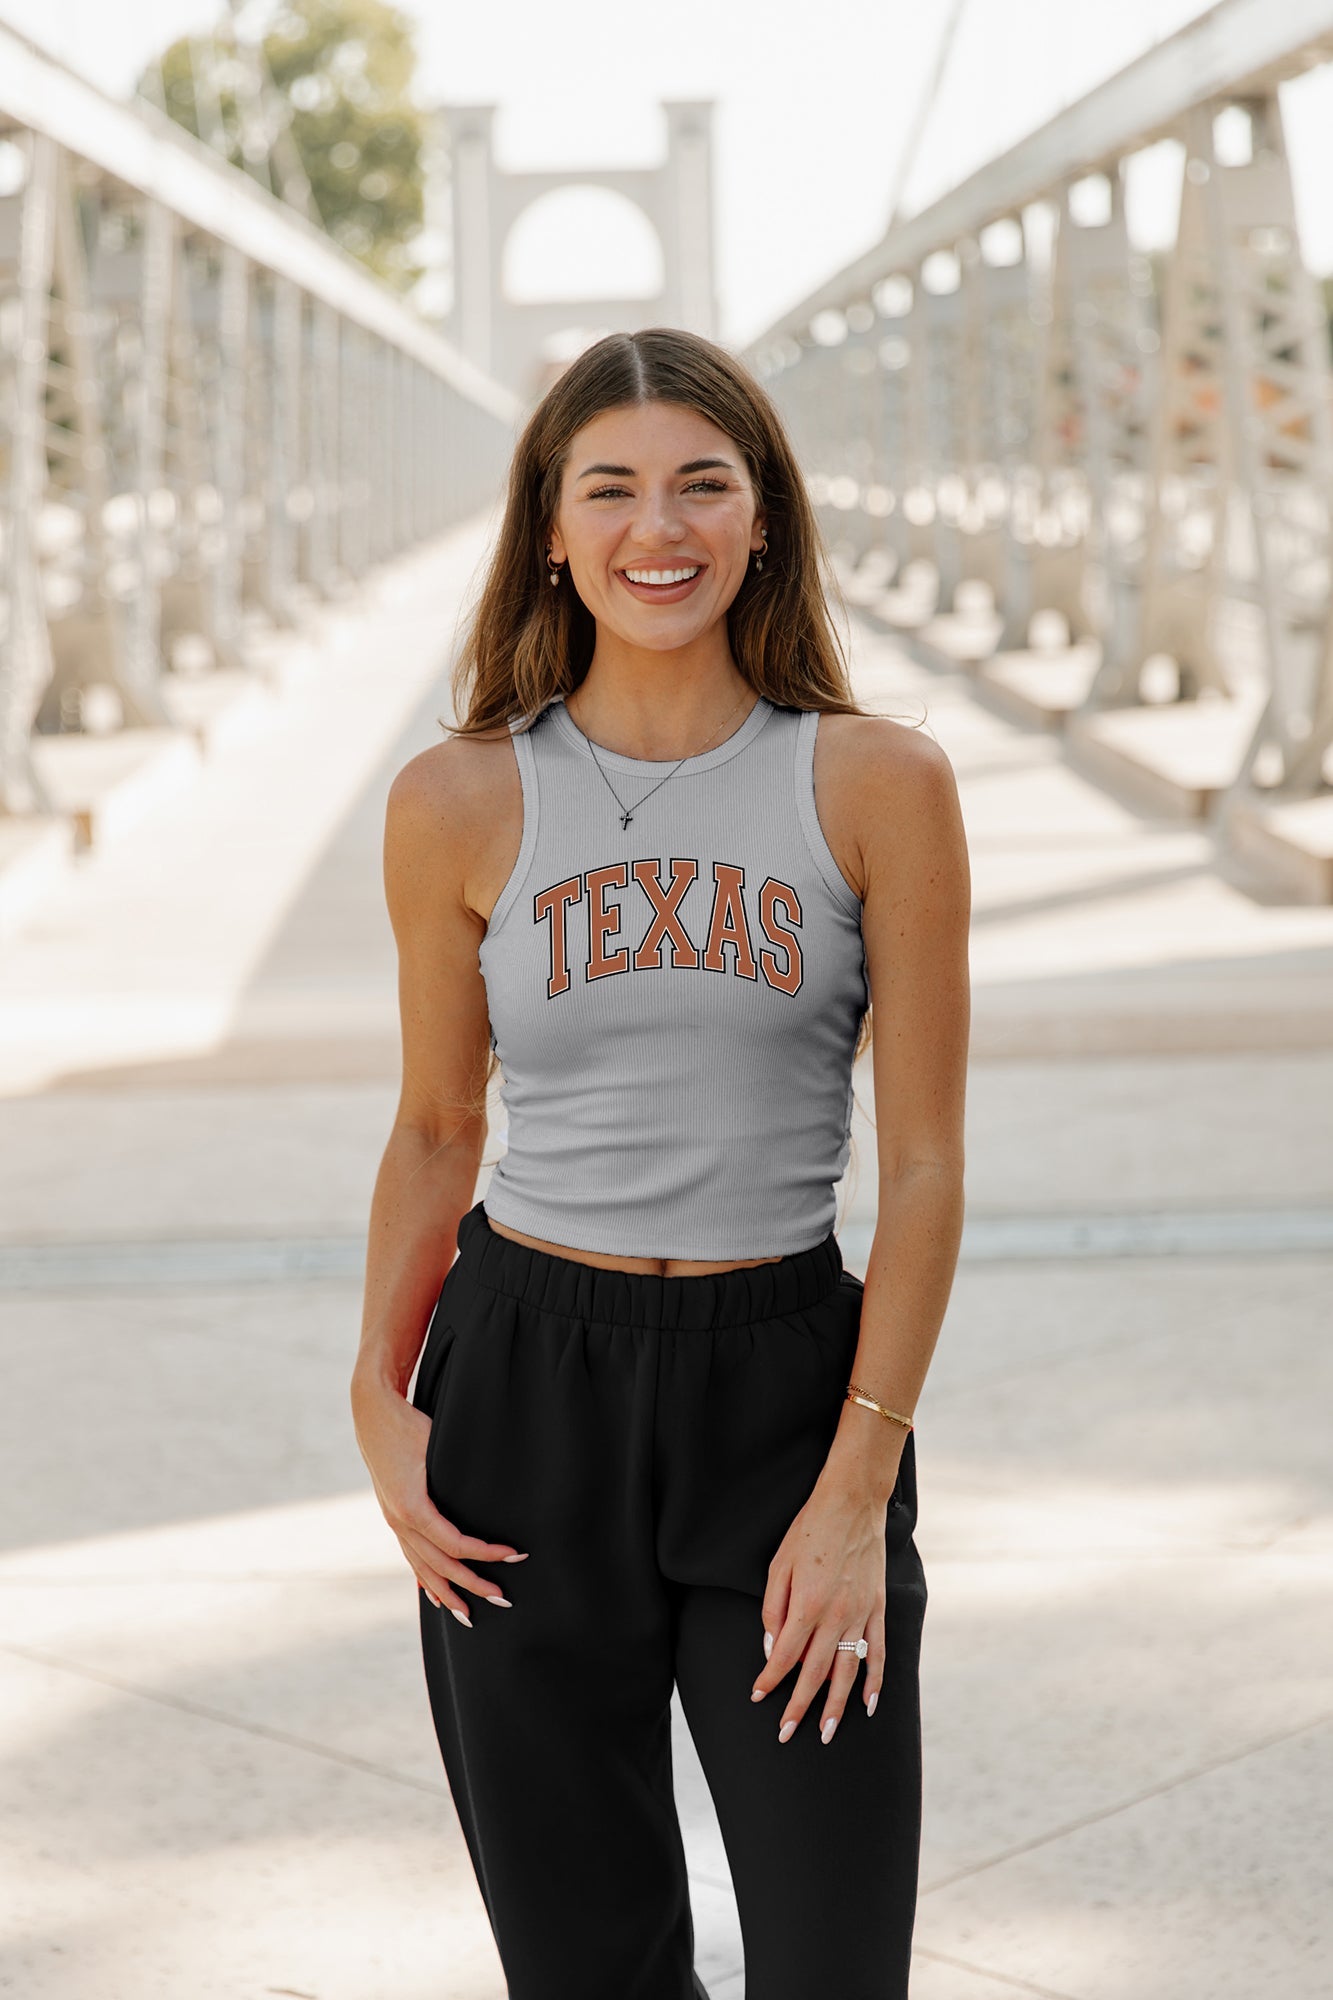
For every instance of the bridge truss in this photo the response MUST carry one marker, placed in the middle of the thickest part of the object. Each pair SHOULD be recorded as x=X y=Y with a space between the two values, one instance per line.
x=207 y=409
x=1010 y=404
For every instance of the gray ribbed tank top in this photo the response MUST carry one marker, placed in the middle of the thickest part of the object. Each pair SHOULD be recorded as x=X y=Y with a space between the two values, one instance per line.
x=674 y=1003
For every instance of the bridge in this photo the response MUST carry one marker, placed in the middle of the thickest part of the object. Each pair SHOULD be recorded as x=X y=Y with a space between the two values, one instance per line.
x=1112 y=509
x=211 y=414
x=1005 y=432
x=519 y=341
x=245 y=496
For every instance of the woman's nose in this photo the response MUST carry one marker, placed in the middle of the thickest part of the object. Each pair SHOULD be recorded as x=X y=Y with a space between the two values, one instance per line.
x=658 y=517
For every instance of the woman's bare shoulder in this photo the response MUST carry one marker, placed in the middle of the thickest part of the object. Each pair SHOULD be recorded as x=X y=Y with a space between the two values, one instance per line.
x=448 y=786
x=885 y=792
x=454 y=813
x=875 y=771
x=876 y=747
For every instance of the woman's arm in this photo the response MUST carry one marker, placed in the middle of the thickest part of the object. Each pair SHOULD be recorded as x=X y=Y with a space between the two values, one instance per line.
x=897 y=788
x=915 y=920
x=427 y=1178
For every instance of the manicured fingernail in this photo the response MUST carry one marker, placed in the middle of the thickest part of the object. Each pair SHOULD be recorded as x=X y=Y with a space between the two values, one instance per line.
x=757 y=1694
x=785 y=1731
x=516 y=1559
x=870 y=1704
x=828 y=1729
x=499 y=1600
x=768 y=1644
x=462 y=1617
x=434 y=1600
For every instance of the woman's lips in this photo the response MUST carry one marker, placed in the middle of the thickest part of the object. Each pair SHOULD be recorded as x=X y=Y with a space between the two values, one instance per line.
x=663 y=593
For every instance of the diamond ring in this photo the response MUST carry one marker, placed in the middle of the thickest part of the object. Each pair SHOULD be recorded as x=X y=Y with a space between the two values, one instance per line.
x=857 y=1646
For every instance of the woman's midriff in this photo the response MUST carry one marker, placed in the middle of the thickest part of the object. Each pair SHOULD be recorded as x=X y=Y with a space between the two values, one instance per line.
x=661 y=1267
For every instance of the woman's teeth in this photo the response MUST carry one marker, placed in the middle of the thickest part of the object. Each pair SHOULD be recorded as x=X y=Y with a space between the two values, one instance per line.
x=661 y=575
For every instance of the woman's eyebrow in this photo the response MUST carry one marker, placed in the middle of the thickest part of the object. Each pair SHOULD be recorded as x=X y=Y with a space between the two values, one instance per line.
x=627 y=471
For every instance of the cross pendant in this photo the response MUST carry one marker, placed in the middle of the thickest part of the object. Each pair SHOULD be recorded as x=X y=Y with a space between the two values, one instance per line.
x=625 y=818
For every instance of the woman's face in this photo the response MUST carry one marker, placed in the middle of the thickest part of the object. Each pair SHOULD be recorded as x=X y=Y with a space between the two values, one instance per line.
x=655 y=489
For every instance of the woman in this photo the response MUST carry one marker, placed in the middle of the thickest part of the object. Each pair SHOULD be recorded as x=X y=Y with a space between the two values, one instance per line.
x=655 y=875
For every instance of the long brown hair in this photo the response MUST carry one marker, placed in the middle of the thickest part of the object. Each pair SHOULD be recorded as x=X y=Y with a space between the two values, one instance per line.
x=524 y=643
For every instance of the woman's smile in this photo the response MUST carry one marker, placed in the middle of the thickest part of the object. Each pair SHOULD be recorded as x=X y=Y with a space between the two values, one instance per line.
x=662 y=585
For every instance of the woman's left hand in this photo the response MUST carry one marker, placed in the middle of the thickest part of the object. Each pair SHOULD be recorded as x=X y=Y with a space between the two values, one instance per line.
x=826 y=1583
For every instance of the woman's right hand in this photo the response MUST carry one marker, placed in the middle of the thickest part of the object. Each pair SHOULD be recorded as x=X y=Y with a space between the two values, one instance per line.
x=393 y=1435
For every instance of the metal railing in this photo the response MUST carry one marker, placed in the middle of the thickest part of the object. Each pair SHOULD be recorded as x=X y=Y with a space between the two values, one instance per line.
x=996 y=401
x=207 y=409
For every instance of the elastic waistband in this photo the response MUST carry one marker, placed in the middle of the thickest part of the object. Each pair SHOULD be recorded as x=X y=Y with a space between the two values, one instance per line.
x=645 y=1298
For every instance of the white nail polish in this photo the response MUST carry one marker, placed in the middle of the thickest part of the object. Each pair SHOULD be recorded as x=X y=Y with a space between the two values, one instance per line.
x=499 y=1600
x=785 y=1731
x=828 y=1729
x=870 y=1704
x=768 y=1645
x=462 y=1617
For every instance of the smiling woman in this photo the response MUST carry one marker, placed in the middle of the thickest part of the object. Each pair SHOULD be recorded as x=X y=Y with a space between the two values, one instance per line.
x=654 y=876
x=714 y=524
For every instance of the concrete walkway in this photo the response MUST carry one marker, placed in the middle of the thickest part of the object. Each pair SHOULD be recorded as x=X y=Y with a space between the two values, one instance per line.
x=220 y=1777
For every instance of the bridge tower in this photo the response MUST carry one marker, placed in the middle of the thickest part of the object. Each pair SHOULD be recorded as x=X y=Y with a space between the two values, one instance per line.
x=509 y=338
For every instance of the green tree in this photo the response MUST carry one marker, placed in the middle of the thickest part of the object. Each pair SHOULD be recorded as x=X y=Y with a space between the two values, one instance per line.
x=342 y=73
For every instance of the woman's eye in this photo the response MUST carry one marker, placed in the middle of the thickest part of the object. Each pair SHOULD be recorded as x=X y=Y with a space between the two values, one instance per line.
x=695 y=485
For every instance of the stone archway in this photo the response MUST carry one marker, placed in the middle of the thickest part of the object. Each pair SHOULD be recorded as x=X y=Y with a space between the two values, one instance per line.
x=511 y=338
x=560 y=246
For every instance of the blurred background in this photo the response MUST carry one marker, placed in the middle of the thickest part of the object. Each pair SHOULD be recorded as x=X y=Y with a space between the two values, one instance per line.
x=1044 y=296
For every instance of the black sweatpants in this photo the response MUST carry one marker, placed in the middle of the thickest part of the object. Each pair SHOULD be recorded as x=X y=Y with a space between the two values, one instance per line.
x=649 y=1441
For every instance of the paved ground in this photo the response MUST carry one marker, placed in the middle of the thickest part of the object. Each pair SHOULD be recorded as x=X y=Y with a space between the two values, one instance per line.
x=220 y=1776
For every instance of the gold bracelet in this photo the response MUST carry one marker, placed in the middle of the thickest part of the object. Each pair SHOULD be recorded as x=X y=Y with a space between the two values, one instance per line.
x=855 y=1395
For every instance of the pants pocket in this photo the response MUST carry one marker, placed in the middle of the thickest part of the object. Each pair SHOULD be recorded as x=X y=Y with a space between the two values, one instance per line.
x=439 y=1342
x=448 y=1312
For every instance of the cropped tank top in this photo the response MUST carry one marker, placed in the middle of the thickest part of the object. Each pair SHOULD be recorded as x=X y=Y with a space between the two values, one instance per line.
x=674 y=1003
